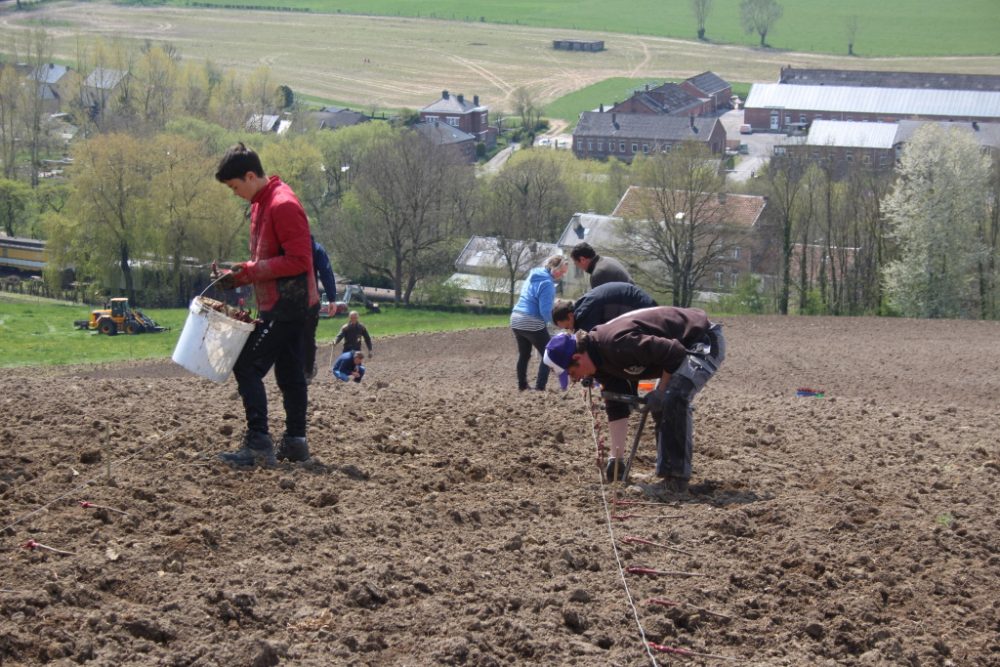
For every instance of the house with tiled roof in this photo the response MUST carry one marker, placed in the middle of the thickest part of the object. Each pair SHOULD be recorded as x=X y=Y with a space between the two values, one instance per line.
x=334 y=118
x=99 y=88
x=711 y=86
x=740 y=224
x=624 y=135
x=442 y=134
x=458 y=112
x=56 y=84
x=668 y=99
x=481 y=267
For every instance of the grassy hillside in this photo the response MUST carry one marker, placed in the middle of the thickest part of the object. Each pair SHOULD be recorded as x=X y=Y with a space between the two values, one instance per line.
x=900 y=28
x=41 y=332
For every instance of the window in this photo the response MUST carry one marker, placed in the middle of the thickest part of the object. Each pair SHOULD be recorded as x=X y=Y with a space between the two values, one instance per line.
x=452 y=120
x=635 y=148
x=590 y=146
x=850 y=157
x=866 y=159
x=600 y=145
x=645 y=148
x=788 y=119
x=718 y=279
x=734 y=280
x=736 y=252
x=802 y=118
x=621 y=146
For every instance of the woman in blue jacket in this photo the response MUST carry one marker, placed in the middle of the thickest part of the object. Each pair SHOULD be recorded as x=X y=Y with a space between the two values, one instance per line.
x=532 y=314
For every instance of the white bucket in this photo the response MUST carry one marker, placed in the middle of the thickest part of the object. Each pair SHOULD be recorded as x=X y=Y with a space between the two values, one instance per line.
x=210 y=342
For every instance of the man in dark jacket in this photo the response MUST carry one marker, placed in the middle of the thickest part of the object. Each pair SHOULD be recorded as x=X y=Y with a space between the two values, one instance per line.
x=601 y=269
x=599 y=305
x=324 y=273
x=352 y=333
x=678 y=346
x=281 y=271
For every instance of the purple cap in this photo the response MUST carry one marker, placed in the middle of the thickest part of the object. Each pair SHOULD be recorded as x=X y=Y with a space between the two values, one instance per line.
x=559 y=352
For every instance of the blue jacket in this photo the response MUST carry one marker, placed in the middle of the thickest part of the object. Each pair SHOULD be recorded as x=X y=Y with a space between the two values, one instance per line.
x=537 y=294
x=321 y=262
x=344 y=366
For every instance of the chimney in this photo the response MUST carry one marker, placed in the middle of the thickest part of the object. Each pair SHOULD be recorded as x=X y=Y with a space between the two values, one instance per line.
x=975 y=126
x=692 y=121
x=475 y=100
x=602 y=107
x=461 y=98
x=614 y=118
x=444 y=94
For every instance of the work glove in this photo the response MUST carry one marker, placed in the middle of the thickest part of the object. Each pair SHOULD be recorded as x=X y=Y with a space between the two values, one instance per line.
x=228 y=280
x=656 y=401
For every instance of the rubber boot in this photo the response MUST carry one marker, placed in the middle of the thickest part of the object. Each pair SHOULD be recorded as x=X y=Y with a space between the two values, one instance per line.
x=615 y=470
x=293 y=449
x=257 y=449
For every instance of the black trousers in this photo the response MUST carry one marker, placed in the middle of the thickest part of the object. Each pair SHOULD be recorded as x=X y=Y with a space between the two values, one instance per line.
x=278 y=344
x=525 y=341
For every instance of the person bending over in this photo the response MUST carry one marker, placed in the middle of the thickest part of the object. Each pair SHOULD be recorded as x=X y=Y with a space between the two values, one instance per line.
x=678 y=346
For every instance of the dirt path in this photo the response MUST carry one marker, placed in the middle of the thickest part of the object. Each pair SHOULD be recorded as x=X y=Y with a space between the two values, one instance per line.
x=449 y=520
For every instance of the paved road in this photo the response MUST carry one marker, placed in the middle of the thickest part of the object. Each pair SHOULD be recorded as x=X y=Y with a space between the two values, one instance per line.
x=759 y=147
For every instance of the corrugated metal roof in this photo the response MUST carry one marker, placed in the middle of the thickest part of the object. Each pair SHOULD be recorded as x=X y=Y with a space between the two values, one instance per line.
x=854 y=99
x=851 y=134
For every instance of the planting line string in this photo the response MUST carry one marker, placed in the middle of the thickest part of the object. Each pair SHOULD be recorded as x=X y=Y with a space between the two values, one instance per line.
x=611 y=531
x=87 y=482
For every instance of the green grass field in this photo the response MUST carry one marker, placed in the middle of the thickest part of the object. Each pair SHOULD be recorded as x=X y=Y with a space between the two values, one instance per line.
x=40 y=332
x=900 y=28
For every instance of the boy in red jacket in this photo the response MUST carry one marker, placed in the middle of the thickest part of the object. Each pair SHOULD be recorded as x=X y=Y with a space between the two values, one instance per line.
x=281 y=271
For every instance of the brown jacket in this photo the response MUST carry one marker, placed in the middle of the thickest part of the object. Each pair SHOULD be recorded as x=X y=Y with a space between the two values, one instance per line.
x=644 y=343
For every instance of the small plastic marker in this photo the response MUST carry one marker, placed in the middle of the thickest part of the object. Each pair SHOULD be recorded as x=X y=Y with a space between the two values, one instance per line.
x=89 y=505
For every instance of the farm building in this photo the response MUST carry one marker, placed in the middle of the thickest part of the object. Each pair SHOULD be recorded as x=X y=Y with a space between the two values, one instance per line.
x=625 y=135
x=844 y=145
x=778 y=107
x=872 y=79
x=669 y=99
x=710 y=85
x=577 y=45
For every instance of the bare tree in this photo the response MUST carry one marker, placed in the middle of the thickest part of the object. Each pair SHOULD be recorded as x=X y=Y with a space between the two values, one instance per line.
x=507 y=218
x=701 y=9
x=526 y=107
x=759 y=16
x=785 y=181
x=679 y=233
x=401 y=209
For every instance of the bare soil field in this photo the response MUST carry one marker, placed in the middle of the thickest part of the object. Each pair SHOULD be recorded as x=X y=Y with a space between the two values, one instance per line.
x=447 y=519
x=385 y=62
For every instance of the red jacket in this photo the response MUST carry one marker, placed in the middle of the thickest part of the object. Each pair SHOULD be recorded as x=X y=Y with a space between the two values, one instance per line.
x=281 y=265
